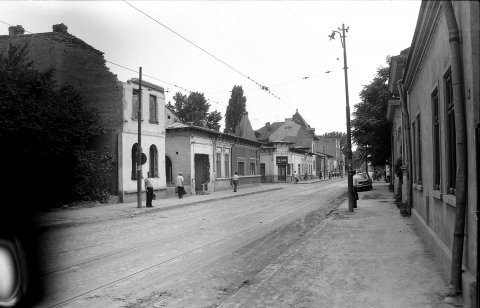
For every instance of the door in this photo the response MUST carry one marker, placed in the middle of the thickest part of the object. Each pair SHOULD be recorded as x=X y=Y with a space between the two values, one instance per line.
x=168 y=170
x=282 y=173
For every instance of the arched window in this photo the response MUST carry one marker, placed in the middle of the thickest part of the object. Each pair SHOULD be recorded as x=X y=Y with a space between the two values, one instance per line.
x=153 y=161
x=134 y=161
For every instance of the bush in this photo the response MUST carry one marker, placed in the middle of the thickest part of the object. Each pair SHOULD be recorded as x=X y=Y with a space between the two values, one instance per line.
x=92 y=176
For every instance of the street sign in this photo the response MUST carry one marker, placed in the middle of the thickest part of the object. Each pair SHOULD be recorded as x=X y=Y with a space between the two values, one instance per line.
x=144 y=158
x=282 y=160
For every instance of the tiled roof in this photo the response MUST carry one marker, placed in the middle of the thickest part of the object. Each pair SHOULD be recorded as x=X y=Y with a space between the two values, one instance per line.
x=265 y=132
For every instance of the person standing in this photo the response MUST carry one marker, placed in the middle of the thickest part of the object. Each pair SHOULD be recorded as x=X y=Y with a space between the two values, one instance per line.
x=180 y=183
x=149 y=189
x=235 y=180
x=295 y=177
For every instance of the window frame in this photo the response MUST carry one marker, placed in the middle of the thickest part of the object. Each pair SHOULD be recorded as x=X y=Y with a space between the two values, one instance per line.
x=153 y=109
x=241 y=171
x=252 y=170
x=135 y=94
x=153 y=163
x=450 y=134
x=436 y=149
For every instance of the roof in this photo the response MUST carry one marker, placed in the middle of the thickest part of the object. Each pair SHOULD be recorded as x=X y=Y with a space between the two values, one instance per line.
x=300 y=120
x=182 y=126
x=147 y=84
x=265 y=132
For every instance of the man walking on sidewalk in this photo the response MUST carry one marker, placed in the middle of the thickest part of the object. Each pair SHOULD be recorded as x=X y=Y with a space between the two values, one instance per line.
x=180 y=189
x=235 y=181
x=149 y=189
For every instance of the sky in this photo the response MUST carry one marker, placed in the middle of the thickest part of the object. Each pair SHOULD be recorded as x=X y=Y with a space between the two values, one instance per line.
x=274 y=44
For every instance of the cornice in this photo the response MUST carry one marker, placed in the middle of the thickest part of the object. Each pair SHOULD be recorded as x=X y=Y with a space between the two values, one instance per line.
x=426 y=27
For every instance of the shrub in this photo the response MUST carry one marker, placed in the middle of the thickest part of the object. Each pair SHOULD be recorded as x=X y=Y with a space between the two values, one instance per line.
x=92 y=176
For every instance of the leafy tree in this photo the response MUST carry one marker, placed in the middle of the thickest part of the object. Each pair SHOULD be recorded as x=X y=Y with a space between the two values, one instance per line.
x=43 y=129
x=195 y=109
x=370 y=128
x=237 y=105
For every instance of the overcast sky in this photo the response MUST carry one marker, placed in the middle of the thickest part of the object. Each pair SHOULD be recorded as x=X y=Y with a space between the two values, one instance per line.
x=275 y=43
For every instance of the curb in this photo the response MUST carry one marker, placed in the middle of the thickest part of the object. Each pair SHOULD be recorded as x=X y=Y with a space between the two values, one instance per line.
x=169 y=207
x=145 y=211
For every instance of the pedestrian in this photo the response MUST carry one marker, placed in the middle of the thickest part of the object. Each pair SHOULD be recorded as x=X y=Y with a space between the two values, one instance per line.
x=149 y=189
x=295 y=177
x=235 y=181
x=180 y=183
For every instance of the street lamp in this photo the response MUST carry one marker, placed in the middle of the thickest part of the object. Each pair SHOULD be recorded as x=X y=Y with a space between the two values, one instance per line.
x=352 y=203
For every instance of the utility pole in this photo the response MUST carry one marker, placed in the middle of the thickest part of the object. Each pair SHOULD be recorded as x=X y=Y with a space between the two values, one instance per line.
x=351 y=200
x=139 y=147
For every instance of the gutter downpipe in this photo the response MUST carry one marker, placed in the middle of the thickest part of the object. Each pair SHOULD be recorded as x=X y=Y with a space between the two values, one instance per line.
x=408 y=141
x=461 y=153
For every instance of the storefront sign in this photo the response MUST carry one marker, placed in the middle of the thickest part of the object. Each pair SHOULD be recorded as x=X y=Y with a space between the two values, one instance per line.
x=282 y=160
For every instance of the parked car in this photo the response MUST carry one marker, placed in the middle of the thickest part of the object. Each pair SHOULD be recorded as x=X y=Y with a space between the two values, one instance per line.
x=361 y=181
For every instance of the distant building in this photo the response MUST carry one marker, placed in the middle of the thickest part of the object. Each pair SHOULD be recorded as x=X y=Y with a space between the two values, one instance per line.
x=301 y=137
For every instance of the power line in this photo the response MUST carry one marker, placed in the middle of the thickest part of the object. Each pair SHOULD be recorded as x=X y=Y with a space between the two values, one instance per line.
x=265 y=88
x=130 y=69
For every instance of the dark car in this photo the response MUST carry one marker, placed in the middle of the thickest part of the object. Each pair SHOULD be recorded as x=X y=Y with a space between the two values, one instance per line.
x=361 y=181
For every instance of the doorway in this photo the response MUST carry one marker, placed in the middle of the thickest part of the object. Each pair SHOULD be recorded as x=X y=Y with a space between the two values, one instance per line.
x=168 y=170
x=282 y=173
x=202 y=171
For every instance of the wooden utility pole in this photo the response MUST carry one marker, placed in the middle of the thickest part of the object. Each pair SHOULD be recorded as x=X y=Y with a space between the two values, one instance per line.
x=139 y=146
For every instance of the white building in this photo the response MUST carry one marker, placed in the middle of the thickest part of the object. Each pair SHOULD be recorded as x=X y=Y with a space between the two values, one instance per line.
x=152 y=138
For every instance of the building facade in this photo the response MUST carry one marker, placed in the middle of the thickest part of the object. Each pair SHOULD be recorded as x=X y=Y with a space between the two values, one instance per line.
x=208 y=159
x=299 y=136
x=442 y=89
x=153 y=138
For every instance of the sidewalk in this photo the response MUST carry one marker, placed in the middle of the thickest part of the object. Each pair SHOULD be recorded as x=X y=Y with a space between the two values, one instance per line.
x=83 y=215
x=372 y=257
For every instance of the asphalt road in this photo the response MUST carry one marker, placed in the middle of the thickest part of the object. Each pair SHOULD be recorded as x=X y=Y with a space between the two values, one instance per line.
x=194 y=256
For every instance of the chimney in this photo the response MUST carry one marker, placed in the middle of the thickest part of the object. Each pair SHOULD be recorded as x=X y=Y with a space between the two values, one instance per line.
x=267 y=124
x=16 y=30
x=60 y=28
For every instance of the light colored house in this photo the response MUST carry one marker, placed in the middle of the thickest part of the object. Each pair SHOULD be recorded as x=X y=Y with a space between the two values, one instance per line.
x=296 y=132
x=152 y=139
x=280 y=161
x=208 y=158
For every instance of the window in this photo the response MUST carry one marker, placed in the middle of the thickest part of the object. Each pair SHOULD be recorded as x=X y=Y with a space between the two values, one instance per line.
x=252 y=168
x=153 y=161
x=241 y=168
x=134 y=104
x=436 y=140
x=153 y=109
x=134 y=161
x=450 y=134
x=262 y=169
x=289 y=171
x=219 y=164
x=419 y=152
x=227 y=165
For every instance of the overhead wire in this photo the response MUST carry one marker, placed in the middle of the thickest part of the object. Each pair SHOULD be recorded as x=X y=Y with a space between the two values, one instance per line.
x=263 y=87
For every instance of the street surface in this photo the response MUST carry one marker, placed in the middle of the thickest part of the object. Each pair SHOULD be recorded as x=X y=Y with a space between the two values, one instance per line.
x=194 y=256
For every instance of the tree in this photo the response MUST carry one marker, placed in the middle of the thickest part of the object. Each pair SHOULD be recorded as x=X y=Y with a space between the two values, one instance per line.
x=370 y=128
x=195 y=109
x=43 y=130
x=237 y=105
